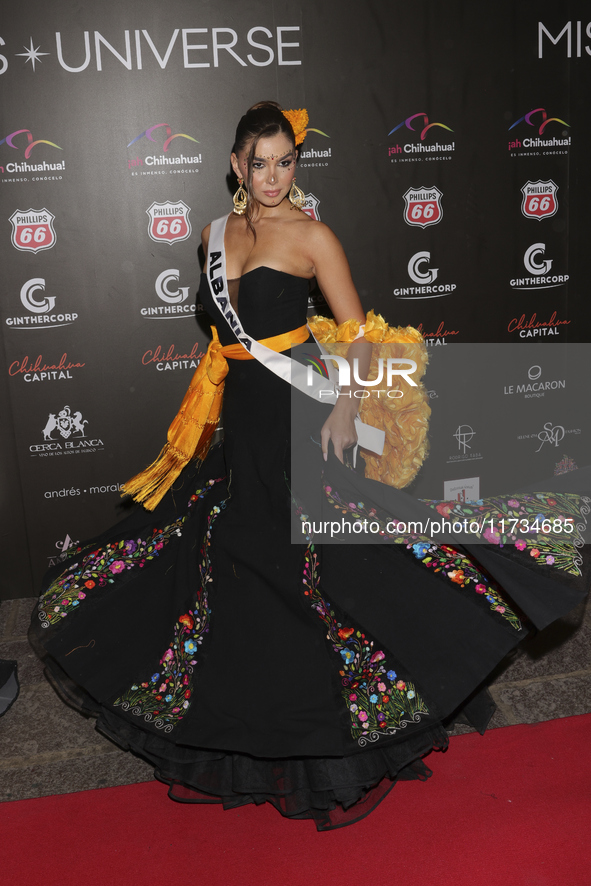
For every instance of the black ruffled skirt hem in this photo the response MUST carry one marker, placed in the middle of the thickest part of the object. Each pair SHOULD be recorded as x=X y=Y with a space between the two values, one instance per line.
x=333 y=791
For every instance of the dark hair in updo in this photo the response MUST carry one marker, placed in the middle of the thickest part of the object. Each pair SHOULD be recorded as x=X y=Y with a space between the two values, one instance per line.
x=263 y=120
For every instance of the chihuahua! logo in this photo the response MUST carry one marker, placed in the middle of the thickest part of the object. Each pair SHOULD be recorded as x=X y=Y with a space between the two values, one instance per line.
x=31 y=142
x=149 y=134
x=543 y=122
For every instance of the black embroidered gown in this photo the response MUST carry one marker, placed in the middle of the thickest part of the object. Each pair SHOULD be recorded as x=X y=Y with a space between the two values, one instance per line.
x=249 y=669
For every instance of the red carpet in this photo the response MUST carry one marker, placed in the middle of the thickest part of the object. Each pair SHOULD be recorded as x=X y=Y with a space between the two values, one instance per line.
x=512 y=808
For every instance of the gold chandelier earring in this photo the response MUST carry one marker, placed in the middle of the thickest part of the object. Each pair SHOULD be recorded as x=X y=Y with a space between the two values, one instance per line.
x=240 y=199
x=297 y=197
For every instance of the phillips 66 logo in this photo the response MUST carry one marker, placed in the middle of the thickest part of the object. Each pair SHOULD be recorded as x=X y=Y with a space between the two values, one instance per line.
x=169 y=222
x=423 y=206
x=32 y=230
x=539 y=199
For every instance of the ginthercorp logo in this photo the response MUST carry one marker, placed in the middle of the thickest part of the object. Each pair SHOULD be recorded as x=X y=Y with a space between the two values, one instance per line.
x=65 y=433
x=539 y=199
x=41 y=308
x=388 y=369
x=174 y=297
x=26 y=146
x=418 y=125
x=422 y=206
x=538 y=120
x=535 y=387
x=32 y=229
x=421 y=273
x=169 y=222
x=539 y=267
x=310 y=207
x=153 y=135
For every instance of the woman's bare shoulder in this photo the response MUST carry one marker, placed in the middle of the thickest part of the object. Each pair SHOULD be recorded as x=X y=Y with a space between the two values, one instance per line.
x=320 y=237
x=205 y=236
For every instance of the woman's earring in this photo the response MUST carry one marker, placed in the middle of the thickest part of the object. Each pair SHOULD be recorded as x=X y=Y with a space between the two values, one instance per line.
x=240 y=199
x=297 y=197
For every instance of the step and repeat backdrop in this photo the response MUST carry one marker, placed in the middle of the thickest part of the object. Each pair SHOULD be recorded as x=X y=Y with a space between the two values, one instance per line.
x=448 y=149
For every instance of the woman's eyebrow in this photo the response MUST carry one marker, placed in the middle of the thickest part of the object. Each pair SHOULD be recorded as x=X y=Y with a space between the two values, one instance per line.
x=275 y=157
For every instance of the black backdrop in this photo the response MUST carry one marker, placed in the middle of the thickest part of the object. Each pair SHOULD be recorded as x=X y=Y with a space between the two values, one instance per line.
x=110 y=113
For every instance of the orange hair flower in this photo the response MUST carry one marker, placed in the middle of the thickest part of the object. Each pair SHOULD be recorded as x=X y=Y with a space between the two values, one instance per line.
x=299 y=121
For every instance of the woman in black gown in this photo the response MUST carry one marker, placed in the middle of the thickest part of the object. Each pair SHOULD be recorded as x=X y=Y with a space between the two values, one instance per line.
x=250 y=669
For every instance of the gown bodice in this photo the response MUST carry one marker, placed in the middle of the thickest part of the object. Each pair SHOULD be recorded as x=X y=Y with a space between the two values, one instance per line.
x=267 y=301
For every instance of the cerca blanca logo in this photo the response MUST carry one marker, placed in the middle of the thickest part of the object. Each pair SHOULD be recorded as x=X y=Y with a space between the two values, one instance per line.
x=539 y=267
x=421 y=273
x=65 y=434
x=175 y=298
x=41 y=308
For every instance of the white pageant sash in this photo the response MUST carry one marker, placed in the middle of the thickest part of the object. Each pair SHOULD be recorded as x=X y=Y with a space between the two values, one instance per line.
x=289 y=370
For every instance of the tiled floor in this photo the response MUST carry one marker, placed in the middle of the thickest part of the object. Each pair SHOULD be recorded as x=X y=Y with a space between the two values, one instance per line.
x=47 y=748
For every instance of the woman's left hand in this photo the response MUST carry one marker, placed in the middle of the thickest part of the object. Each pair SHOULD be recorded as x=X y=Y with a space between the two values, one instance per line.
x=339 y=428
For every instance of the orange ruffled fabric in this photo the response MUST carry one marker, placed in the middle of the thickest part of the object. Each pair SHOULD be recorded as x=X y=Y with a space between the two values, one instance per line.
x=404 y=419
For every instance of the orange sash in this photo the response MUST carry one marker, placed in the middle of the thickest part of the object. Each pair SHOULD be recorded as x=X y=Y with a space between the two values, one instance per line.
x=189 y=435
